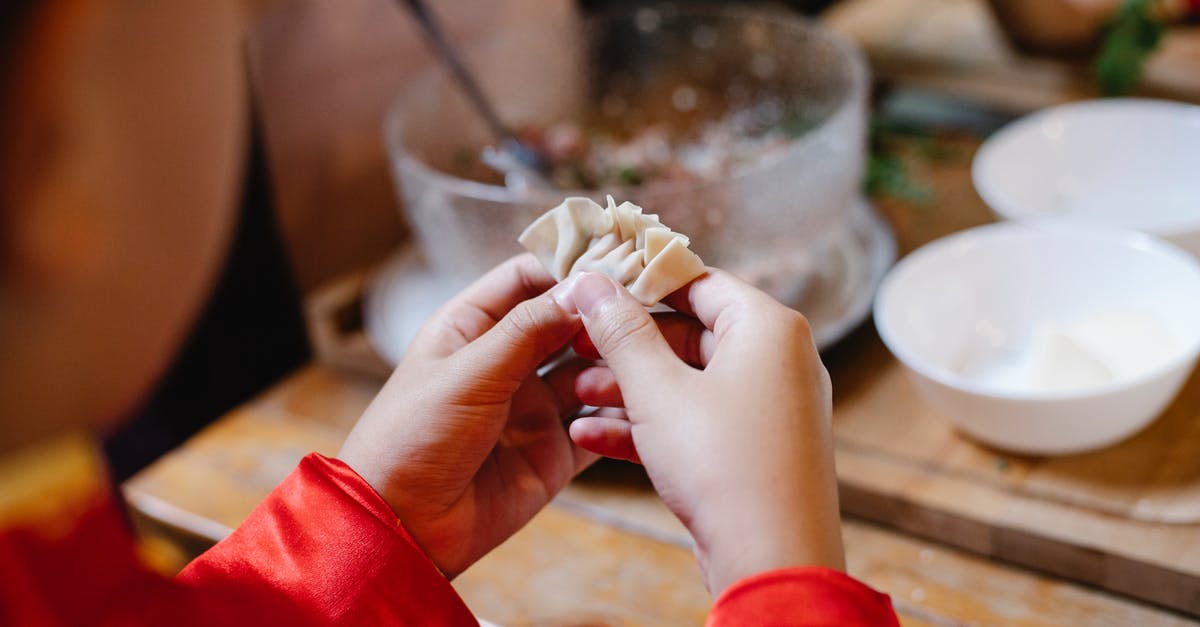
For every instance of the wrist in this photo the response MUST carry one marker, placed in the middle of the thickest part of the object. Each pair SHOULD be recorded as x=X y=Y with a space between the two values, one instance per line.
x=723 y=568
x=747 y=540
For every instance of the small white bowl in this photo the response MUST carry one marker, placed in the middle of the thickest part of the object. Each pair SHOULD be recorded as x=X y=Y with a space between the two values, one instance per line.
x=1126 y=162
x=963 y=309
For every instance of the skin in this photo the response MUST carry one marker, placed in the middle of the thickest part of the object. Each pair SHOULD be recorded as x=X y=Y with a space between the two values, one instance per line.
x=465 y=441
x=728 y=407
x=119 y=178
x=118 y=175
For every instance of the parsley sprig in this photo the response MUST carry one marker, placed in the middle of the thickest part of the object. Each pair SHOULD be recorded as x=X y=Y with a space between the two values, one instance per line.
x=1135 y=31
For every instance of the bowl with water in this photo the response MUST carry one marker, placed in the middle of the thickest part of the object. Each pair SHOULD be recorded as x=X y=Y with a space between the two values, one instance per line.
x=1044 y=337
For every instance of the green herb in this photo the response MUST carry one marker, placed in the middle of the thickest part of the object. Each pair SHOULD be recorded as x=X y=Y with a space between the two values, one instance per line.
x=1129 y=38
x=629 y=176
x=887 y=175
x=1001 y=464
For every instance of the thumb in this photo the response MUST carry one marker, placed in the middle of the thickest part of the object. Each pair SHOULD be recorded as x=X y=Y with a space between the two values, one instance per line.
x=623 y=332
x=525 y=337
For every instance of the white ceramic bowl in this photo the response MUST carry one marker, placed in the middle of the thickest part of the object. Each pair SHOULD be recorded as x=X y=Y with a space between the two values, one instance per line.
x=1126 y=162
x=970 y=303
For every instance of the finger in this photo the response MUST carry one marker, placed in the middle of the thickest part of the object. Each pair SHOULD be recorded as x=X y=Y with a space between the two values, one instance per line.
x=581 y=456
x=481 y=305
x=535 y=427
x=535 y=418
x=562 y=384
x=497 y=362
x=495 y=294
x=715 y=298
x=693 y=343
x=597 y=386
x=608 y=434
x=623 y=332
x=583 y=346
x=557 y=356
x=690 y=341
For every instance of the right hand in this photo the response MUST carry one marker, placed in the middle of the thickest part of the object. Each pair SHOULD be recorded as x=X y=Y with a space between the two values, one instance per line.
x=728 y=406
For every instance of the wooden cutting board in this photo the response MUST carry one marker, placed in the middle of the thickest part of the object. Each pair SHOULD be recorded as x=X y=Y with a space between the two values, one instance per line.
x=607 y=552
x=1124 y=518
x=957 y=48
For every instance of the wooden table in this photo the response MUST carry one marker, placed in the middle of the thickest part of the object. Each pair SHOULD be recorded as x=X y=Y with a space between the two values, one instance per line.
x=606 y=551
x=956 y=48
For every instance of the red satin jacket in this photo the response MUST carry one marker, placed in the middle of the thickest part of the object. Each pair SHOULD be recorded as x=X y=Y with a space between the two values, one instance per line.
x=322 y=549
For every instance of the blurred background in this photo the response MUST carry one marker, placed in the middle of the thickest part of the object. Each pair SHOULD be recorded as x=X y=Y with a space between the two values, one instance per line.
x=362 y=206
x=320 y=204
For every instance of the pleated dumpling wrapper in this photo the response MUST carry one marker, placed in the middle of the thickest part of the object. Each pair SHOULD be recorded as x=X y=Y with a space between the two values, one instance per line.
x=634 y=248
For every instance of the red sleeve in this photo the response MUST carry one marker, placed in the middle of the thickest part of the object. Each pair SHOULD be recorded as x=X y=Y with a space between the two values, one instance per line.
x=326 y=543
x=800 y=597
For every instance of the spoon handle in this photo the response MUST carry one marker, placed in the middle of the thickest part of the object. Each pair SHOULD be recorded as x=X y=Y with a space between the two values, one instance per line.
x=442 y=46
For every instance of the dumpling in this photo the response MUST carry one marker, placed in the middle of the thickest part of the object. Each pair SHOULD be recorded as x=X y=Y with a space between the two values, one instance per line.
x=632 y=247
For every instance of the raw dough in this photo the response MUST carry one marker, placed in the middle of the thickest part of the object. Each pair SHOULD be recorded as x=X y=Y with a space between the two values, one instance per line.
x=634 y=248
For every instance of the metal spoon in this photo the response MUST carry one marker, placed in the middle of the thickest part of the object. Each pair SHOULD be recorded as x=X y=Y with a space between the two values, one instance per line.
x=521 y=164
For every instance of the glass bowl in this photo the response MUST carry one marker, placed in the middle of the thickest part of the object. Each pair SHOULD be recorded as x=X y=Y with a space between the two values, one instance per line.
x=678 y=66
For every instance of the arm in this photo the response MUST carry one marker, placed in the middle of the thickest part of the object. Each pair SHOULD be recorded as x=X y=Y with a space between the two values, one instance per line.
x=464 y=443
x=802 y=596
x=326 y=544
x=322 y=549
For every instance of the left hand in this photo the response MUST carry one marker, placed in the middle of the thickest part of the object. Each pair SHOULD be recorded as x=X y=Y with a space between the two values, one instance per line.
x=465 y=441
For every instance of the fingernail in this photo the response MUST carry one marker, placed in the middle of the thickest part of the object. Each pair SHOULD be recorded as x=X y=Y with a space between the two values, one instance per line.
x=561 y=293
x=591 y=292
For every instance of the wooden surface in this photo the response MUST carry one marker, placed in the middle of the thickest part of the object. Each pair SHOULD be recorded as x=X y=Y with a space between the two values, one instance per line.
x=900 y=464
x=614 y=555
x=606 y=552
x=956 y=47
x=1093 y=518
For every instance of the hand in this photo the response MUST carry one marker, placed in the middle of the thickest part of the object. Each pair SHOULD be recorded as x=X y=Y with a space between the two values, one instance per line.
x=728 y=407
x=465 y=441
